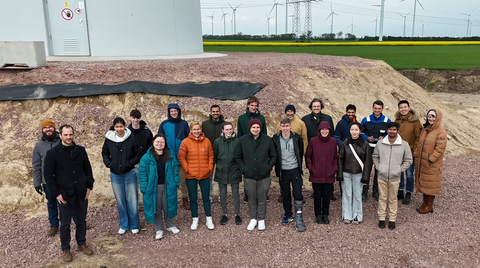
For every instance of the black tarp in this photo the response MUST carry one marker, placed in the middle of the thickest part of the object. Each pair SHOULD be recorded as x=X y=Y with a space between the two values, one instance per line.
x=221 y=90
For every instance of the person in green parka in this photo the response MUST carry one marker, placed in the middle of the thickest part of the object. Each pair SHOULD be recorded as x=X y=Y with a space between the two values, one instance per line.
x=158 y=175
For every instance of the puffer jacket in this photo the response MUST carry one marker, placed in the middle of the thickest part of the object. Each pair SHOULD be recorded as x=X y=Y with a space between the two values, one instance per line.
x=196 y=157
x=391 y=160
x=347 y=162
x=321 y=157
x=227 y=170
x=429 y=157
x=148 y=179
x=410 y=128
x=122 y=156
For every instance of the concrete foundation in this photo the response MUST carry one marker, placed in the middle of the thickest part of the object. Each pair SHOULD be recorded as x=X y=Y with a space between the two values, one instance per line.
x=27 y=53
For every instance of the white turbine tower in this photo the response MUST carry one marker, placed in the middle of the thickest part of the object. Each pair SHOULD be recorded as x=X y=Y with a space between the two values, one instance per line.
x=275 y=4
x=351 y=25
x=376 y=24
x=212 y=20
x=468 y=20
x=268 y=24
x=224 y=26
x=234 y=18
x=382 y=15
x=414 y=13
x=331 y=15
x=404 y=22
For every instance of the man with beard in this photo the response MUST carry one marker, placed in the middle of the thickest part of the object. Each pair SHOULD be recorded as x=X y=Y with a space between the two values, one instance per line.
x=49 y=140
x=342 y=131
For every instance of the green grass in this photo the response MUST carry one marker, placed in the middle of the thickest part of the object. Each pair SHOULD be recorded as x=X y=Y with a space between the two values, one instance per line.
x=399 y=57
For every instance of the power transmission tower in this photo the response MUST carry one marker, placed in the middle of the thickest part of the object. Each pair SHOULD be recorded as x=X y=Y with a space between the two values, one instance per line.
x=296 y=19
x=308 y=17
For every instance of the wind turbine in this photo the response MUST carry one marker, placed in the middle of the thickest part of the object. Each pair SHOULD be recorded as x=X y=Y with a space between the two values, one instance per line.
x=423 y=26
x=212 y=20
x=331 y=14
x=404 y=22
x=414 y=13
x=268 y=24
x=352 y=25
x=223 y=18
x=376 y=24
x=234 y=18
x=468 y=21
x=275 y=4
x=382 y=15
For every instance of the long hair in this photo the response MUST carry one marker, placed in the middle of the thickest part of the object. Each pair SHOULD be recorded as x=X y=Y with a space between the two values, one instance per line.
x=116 y=121
x=166 y=150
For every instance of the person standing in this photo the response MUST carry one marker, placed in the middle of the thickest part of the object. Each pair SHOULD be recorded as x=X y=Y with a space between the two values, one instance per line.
x=255 y=154
x=49 y=140
x=321 y=159
x=288 y=168
x=410 y=128
x=391 y=157
x=429 y=160
x=176 y=130
x=354 y=167
x=227 y=171
x=158 y=176
x=196 y=158
x=374 y=128
x=121 y=153
x=343 y=129
x=69 y=177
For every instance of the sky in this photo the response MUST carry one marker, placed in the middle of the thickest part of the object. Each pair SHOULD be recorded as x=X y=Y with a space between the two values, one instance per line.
x=437 y=18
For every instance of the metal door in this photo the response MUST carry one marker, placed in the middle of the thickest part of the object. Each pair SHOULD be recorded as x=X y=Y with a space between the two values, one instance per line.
x=68 y=28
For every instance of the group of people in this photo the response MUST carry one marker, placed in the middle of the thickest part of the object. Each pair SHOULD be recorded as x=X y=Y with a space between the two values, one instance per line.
x=189 y=156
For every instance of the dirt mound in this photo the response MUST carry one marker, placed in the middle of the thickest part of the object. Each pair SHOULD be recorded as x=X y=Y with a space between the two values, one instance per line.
x=465 y=81
x=290 y=78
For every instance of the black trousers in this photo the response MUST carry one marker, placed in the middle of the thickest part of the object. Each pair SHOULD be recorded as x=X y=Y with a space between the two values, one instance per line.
x=65 y=219
x=321 y=197
x=295 y=178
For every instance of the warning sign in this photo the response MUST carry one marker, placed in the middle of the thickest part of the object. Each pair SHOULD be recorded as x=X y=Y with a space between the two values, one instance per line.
x=67 y=14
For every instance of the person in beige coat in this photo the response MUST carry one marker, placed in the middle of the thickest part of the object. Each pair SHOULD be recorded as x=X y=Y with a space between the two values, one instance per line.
x=429 y=160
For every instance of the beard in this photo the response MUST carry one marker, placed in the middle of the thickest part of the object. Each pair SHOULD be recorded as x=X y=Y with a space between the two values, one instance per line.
x=46 y=135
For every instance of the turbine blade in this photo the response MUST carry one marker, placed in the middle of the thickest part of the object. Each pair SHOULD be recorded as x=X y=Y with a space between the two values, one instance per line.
x=420 y=4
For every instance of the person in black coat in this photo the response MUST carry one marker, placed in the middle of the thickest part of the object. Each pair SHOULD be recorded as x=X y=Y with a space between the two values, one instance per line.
x=69 y=177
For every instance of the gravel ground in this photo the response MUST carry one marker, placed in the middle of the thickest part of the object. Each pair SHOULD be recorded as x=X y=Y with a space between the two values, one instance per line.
x=449 y=237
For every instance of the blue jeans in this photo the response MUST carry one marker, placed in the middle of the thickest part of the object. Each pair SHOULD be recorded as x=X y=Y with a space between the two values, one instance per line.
x=53 y=208
x=125 y=188
x=192 y=193
x=410 y=179
x=352 y=197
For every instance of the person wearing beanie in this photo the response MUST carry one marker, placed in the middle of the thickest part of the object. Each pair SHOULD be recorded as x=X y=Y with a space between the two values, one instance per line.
x=255 y=155
x=50 y=139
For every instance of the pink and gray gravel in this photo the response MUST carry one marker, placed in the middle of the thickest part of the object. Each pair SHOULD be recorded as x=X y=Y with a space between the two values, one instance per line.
x=449 y=237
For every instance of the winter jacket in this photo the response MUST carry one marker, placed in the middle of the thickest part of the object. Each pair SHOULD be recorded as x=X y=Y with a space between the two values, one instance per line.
x=372 y=126
x=429 y=157
x=174 y=129
x=68 y=174
x=122 y=156
x=298 y=148
x=348 y=163
x=196 y=157
x=39 y=152
x=227 y=170
x=244 y=119
x=312 y=123
x=321 y=157
x=410 y=128
x=212 y=129
x=143 y=135
x=148 y=179
x=298 y=126
x=342 y=131
x=255 y=157
x=391 y=160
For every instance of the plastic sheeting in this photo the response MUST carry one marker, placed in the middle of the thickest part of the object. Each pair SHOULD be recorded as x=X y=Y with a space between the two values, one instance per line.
x=222 y=90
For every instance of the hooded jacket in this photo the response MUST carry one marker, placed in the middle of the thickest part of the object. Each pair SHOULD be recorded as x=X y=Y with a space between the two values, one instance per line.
x=39 y=152
x=297 y=147
x=227 y=170
x=410 y=128
x=122 y=156
x=312 y=122
x=429 y=157
x=321 y=157
x=244 y=119
x=148 y=179
x=212 y=128
x=342 y=131
x=348 y=163
x=174 y=129
x=391 y=160
x=255 y=157
x=143 y=135
x=196 y=157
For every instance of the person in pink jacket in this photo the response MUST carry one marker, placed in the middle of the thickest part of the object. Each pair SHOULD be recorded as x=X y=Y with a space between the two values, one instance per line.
x=321 y=159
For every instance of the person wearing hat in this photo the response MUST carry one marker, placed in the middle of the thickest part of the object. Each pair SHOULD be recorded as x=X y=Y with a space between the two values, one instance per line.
x=50 y=139
x=255 y=155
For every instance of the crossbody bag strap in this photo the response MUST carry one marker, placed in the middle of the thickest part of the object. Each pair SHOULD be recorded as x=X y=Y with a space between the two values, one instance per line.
x=356 y=156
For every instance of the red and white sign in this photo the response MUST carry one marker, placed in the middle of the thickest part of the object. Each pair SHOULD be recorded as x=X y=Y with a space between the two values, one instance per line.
x=67 y=14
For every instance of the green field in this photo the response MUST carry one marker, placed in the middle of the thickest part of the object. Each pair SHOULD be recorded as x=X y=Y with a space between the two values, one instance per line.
x=399 y=57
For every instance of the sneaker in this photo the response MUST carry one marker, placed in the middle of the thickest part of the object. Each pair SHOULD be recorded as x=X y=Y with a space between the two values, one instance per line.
x=286 y=220
x=85 y=250
x=174 y=230
x=391 y=225
x=52 y=231
x=211 y=199
x=355 y=221
x=159 y=235
x=67 y=256
x=347 y=221
x=135 y=231
x=209 y=223
x=407 y=199
x=224 y=220
x=194 y=225
x=261 y=225
x=238 y=220
x=121 y=231
x=245 y=199
x=252 y=224
x=381 y=224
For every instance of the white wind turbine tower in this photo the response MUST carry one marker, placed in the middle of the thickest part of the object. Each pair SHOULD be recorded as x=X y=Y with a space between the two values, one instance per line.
x=423 y=26
x=212 y=20
x=468 y=21
x=275 y=4
x=268 y=24
x=404 y=22
x=351 y=25
x=382 y=16
x=234 y=18
x=376 y=24
x=223 y=18
x=414 y=13
x=331 y=15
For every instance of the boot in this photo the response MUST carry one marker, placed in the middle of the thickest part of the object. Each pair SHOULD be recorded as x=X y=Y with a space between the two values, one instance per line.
x=400 y=195
x=429 y=206
x=299 y=224
x=186 y=203
x=407 y=199
x=423 y=204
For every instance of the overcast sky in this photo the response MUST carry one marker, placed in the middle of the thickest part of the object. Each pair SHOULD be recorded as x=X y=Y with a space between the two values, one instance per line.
x=437 y=18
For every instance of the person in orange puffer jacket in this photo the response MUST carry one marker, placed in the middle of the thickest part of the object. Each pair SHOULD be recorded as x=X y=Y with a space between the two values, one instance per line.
x=196 y=157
